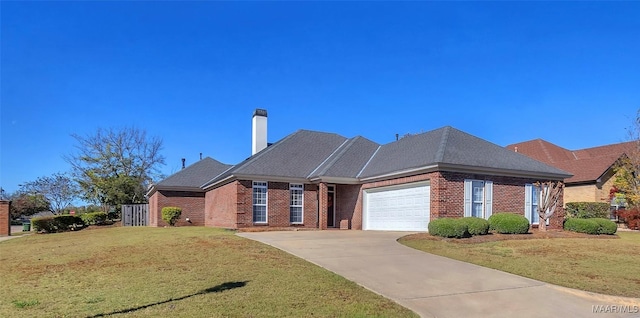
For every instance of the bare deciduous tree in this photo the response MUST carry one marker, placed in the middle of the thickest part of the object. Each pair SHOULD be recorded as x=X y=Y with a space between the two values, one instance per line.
x=114 y=167
x=58 y=189
x=549 y=196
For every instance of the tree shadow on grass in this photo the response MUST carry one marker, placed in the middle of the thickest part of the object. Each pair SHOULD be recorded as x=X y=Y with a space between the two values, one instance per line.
x=215 y=289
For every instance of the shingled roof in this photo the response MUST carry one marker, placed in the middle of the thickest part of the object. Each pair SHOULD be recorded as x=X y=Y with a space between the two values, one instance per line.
x=448 y=148
x=312 y=156
x=193 y=176
x=586 y=165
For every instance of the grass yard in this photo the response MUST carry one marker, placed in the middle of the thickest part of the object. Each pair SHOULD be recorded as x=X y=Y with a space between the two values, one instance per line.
x=606 y=266
x=171 y=272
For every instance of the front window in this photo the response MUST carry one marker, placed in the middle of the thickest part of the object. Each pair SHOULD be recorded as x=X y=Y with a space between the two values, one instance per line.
x=535 y=196
x=478 y=196
x=259 y=202
x=478 y=199
x=296 y=203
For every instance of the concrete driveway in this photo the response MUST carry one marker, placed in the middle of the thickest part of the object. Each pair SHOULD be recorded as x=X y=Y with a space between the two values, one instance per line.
x=431 y=285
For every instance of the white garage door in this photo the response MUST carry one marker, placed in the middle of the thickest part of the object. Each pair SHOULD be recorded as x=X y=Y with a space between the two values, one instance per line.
x=397 y=208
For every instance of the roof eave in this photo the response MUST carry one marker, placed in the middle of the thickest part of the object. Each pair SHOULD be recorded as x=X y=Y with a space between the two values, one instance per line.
x=503 y=172
x=232 y=177
x=338 y=180
x=176 y=188
x=402 y=173
x=468 y=169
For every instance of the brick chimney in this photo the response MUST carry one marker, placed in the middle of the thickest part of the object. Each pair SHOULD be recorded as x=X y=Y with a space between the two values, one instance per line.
x=259 y=131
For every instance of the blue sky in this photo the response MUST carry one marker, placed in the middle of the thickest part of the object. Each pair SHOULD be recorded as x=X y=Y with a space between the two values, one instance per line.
x=193 y=72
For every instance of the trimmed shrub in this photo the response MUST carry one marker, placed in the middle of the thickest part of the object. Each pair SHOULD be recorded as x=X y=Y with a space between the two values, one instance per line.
x=476 y=226
x=43 y=224
x=171 y=214
x=508 y=223
x=58 y=223
x=94 y=218
x=587 y=210
x=448 y=227
x=588 y=226
x=607 y=226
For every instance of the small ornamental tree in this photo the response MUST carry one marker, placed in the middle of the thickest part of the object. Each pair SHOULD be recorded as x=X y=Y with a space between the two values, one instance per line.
x=550 y=194
x=171 y=214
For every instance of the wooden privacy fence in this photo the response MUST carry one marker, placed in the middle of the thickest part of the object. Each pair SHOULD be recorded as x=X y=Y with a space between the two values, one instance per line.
x=135 y=215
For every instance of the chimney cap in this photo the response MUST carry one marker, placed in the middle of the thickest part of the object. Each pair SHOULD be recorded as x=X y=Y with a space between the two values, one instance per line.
x=260 y=112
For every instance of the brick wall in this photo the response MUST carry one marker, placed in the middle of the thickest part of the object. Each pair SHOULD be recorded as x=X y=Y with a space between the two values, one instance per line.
x=447 y=194
x=346 y=202
x=278 y=200
x=580 y=193
x=5 y=218
x=221 y=206
x=310 y=215
x=191 y=203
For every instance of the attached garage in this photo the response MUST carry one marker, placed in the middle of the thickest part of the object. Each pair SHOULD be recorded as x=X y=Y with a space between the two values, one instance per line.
x=397 y=208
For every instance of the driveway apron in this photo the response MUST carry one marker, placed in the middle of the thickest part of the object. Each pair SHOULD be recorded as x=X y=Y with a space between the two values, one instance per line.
x=430 y=285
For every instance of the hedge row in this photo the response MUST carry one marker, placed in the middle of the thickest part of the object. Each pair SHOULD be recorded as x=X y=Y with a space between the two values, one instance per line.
x=58 y=223
x=94 y=218
x=593 y=226
x=587 y=210
x=458 y=228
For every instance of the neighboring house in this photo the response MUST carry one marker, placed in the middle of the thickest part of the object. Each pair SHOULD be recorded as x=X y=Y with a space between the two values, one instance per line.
x=322 y=180
x=592 y=168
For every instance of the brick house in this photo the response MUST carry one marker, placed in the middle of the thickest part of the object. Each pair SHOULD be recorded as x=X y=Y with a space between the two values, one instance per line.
x=322 y=180
x=592 y=168
x=183 y=190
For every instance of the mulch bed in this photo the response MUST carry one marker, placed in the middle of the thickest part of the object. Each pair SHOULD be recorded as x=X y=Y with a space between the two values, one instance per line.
x=505 y=237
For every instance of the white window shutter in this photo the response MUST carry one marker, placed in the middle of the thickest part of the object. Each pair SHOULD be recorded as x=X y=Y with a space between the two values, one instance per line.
x=528 y=189
x=488 y=198
x=467 y=197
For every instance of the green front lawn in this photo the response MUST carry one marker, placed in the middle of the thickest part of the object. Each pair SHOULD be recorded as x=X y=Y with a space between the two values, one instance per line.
x=171 y=272
x=607 y=266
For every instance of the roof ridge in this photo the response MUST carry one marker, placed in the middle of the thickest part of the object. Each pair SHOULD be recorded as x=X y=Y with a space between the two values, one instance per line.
x=216 y=177
x=368 y=161
x=443 y=144
x=253 y=157
x=330 y=155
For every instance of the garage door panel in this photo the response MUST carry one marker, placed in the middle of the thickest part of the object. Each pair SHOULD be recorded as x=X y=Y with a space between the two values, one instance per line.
x=398 y=209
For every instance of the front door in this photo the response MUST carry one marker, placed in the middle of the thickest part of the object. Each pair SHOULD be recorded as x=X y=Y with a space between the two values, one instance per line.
x=331 y=210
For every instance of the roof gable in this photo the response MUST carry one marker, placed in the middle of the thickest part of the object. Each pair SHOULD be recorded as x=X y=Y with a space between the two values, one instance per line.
x=193 y=176
x=295 y=156
x=586 y=165
x=451 y=147
x=542 y=150
x=349 y=160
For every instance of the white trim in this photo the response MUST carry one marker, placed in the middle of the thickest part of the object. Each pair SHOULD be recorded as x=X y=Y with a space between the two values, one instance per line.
x=398 y=174
x=255 y=185
x=335 y=199
x=366 y=193
x=528 y=200
x=467 y=197
x=487 y=197
x=292 y=187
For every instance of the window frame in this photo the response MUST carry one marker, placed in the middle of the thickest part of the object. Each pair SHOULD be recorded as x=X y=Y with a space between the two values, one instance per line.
x=296 y=187
x=487 y=198
x=531 y=191
x=260 y=185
